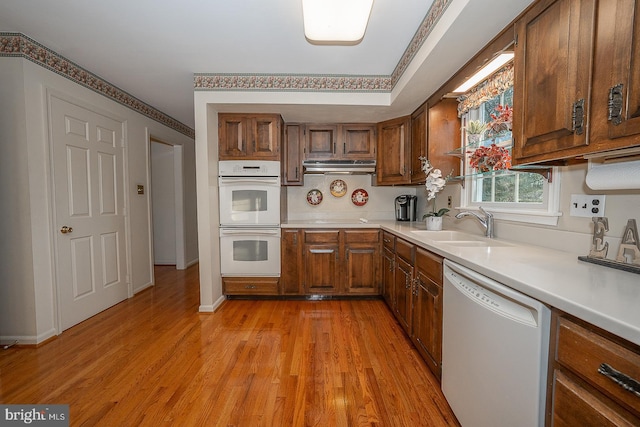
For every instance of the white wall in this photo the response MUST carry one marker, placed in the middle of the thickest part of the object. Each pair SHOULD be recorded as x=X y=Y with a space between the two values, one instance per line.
x=380 y=205
x=28 y=311
x=17 y=294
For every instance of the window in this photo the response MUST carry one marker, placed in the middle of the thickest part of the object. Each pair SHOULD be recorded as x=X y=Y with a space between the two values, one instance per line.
x=508 y=194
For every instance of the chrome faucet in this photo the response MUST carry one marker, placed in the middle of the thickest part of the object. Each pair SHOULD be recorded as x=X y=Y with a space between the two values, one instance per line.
x=486 y=221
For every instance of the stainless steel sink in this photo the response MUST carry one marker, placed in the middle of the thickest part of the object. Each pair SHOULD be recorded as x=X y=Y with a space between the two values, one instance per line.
x=458 y=238
x=474 y=243
x=444 y=235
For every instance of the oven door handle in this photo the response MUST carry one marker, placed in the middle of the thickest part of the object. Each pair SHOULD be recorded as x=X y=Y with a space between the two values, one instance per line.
x=267 y=180
x=248 y=231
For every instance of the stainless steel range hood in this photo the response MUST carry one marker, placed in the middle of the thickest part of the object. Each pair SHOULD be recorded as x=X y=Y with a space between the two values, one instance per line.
x=339 y=166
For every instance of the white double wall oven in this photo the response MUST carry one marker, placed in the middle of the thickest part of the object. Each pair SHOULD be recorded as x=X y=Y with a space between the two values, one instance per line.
x=249 y=217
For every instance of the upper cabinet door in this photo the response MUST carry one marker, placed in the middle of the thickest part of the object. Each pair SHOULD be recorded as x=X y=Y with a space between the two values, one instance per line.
x=393 y=165
x=321 y=141
x=615 y=109
x=232 y=136
x=418 y=143
x=553 y=62
x=358 y=141
x=444 y=136
x=292 y=154
x=266 y=134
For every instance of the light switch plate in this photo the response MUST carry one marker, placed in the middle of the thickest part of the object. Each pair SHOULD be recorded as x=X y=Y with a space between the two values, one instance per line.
x=587 y=205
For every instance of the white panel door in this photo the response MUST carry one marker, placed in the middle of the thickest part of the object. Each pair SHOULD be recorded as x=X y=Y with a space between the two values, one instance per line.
x=89 y=209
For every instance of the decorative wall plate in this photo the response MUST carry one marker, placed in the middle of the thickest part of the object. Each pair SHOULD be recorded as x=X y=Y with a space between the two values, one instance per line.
x=314 y=197
x=359 y=197
x=338 y=188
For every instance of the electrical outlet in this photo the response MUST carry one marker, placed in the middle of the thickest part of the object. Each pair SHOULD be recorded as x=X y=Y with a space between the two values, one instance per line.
x=587 y=205
x=449 y=202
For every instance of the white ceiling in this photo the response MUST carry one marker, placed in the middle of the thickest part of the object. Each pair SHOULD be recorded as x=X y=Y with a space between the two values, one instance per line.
x=152 y=48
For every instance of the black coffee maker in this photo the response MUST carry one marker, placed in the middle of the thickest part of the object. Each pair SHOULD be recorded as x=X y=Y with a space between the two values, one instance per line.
x=406 y=207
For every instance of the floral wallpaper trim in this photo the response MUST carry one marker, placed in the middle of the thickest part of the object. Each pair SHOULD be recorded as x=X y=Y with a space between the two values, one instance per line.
x=293 y=82
x=331 y=83
x=437 y=9
x=497 y=83
x=19 y=45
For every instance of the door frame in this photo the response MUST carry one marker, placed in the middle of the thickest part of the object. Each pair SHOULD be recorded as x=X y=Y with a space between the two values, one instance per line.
x=178 y=184
x=53 y=93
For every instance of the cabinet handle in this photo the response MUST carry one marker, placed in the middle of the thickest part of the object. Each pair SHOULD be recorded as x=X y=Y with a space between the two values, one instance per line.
x=615 y=104
x=296 y=172
x=321 y=251
x=577 y=117
x=250 y=287
x=624 y=381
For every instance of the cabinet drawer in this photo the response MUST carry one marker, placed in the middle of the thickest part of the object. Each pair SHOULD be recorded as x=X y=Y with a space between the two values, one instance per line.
x=404 y=250
x=250 y=285
x=321 y=236
x=430 y=264
x=584 y=352
x=361 y=236
x=389 y=241
x=575 y=406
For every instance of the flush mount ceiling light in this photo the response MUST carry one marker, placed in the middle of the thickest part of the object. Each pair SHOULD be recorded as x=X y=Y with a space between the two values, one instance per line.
x=335 y=21
x=485 y=71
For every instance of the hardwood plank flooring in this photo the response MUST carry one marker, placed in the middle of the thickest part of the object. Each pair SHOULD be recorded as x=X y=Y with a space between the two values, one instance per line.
x=154 y=360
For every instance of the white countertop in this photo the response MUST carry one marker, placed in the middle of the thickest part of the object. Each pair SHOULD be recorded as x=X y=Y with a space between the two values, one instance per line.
x=603 y=296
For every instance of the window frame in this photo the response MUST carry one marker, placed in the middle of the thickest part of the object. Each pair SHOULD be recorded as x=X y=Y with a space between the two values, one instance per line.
x=547 y=213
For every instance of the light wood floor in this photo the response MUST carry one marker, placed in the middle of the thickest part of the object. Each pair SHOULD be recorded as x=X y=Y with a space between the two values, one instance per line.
x=154 y=360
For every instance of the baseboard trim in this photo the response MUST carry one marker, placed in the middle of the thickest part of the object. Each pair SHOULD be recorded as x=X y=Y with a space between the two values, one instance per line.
x=29 y=340
x=213 y=307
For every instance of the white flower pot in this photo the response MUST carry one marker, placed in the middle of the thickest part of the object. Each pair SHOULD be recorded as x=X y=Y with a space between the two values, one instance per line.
x=434 y=223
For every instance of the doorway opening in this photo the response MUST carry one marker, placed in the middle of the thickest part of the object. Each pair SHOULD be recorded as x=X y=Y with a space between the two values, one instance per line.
x=167 y=203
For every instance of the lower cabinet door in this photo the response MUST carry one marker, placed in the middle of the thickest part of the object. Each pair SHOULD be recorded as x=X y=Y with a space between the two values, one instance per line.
x=403 y=284
x=321 y=269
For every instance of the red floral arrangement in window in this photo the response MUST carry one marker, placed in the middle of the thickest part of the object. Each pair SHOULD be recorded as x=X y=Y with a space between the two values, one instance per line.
x=486 y=159
x=501 y=121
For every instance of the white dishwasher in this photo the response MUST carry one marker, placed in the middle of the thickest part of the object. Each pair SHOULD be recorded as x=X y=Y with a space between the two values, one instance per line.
x=495 y=345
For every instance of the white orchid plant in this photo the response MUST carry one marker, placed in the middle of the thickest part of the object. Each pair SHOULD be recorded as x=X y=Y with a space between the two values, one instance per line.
x=434 y=184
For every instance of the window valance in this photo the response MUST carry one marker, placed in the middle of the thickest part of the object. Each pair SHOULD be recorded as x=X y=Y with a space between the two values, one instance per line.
x=497 y=83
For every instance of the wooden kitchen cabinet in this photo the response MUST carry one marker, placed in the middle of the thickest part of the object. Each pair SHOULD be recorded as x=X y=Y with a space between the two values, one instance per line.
x=321 y=261
x=419 y=122
x=444 y=136
x=404 y=283
x=330 y=262
x=340 y=141
x=362 y=262
x=321 y=141
x=293 y=153
x=615 y=99
x=393 y=165
x=388 y=267
x=580 y=394
x=576 y=64
x=358 y=141
x=427 y=309
x=250 y=286
x=249 y=136
x=291 y=261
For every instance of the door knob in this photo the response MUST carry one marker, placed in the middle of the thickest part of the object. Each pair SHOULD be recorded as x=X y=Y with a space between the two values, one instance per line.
x=65 y=229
